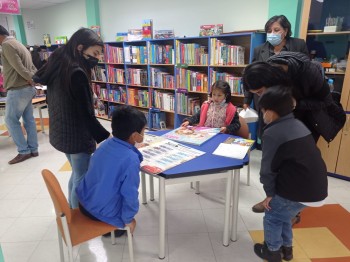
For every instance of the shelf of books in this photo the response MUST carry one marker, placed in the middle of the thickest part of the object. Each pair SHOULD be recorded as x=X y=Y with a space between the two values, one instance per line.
x=169 y=79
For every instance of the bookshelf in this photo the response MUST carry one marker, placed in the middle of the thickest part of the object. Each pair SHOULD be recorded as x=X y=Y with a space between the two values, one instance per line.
x=335 y=154
x=168 y=79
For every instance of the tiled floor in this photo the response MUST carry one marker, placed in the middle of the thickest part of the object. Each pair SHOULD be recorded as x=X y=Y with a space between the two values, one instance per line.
x=194 y=222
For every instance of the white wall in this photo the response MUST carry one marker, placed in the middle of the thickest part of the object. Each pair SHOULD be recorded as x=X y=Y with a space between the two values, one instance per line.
x=7 y=22
x=58 y=20
x=184 y=16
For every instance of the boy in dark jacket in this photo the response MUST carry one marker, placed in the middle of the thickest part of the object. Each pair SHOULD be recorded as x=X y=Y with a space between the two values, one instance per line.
x=292 y=172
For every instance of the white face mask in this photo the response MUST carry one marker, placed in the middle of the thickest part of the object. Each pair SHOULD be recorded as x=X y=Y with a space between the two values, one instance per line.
x=266 y=121
x=274 y=39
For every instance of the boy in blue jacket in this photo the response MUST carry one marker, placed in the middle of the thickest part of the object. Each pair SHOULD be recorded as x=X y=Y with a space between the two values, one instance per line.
x=109 y=190
x=292 y=172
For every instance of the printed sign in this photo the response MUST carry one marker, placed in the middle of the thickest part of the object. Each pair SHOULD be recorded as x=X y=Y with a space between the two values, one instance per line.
x=10 y=7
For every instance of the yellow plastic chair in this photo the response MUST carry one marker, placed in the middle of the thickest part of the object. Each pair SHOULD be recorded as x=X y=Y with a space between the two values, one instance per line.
x=74 y=227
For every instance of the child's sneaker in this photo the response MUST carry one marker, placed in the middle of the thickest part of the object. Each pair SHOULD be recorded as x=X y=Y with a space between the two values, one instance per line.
x=287 y=253
x=263 y=252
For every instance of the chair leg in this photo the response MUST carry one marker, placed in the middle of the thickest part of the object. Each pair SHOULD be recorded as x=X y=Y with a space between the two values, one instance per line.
x=248 y=170
x=197 y=188
x=60 y=244
x=113 y=238
x=130 y=244
x=67 y=237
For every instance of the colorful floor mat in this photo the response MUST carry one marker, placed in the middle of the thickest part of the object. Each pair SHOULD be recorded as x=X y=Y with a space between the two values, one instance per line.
x=323 y=235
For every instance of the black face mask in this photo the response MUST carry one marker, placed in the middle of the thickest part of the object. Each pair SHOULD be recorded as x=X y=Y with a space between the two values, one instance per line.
x=91 y=61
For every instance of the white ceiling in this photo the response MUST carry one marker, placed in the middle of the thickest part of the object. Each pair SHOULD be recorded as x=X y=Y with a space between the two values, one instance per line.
x=37 y=4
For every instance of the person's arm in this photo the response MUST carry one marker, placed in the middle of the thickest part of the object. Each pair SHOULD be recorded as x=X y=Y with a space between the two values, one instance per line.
x=303 y=47
x=234 y=126
x=130 y=193
x=82 y=93
x=248 y=97
x=267 y=175
x=193 y=119
x=15 y=61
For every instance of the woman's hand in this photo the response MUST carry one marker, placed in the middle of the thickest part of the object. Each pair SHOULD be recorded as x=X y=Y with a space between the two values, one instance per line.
x=184 y=124
x=246 y=106
x=223 y=129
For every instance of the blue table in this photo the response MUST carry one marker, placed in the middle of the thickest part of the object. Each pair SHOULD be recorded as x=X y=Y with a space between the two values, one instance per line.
x=203 y=168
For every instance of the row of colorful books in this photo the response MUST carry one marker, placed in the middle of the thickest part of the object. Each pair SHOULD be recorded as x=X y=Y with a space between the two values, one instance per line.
x=191 y=80
x=185 y=104
x=138 y=97
x=99 y=74
x=116 y=75
x=235 y=82
x=135 y=54
x=163 y=100
x=223 y=53
x=161 y=79
x=191 y=53
x=136 y=76
x=161 y=54
x=113 y=54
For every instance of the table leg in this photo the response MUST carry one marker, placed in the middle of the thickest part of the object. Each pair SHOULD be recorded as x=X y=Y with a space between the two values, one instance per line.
x=197 y=187
x=143 y=185
x=235 y=198
x=227 y=209
x=151 y=188
x=161 y=218
x=41 y=120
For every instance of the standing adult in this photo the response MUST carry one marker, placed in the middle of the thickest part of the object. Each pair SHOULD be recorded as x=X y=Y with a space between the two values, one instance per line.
x=18 y=70
x=278 y=38
x=74 y=129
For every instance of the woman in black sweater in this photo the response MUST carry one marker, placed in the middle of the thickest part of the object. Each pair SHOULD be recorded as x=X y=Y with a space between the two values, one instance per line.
x=74 y=129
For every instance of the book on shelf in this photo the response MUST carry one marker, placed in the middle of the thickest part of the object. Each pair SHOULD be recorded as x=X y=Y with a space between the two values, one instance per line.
x=157 y=119
x=209 y=30
x=234 y=147
x=47 y=40
x=61 y=40
x=135 y=34
x=160 y=154
x=121 y=36
x=96 y=29
x=195 y=135
x=147 y=29
x=164 y=33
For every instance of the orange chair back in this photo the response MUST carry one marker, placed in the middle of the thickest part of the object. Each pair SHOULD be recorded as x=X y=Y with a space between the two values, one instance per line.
x=59 y=199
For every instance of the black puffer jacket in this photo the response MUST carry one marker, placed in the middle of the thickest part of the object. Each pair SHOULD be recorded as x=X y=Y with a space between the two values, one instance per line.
x=73 y=125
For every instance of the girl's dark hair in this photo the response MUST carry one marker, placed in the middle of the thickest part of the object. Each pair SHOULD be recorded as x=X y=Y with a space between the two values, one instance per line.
x=224 y=87
x=283 y=21
x=36 y=57
x=262 y=74
x=277 y=98
x=68 y=56
x=127 y=120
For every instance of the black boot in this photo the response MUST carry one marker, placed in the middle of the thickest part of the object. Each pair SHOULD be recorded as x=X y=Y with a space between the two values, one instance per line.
x=287 y=253
x=263 y=252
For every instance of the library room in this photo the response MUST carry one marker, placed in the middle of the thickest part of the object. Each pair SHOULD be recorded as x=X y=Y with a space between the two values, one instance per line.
x=185 y=131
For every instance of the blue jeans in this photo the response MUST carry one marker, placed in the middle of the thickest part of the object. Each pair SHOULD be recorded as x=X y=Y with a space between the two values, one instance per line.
x=19 y=104
x=277 y=222
x=79 y=163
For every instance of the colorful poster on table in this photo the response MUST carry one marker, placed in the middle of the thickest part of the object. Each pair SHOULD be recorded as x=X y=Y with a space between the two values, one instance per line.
x=10 y=7
x=160 y=154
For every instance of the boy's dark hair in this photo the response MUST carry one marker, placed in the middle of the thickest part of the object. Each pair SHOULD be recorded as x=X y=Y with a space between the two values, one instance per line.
x=224 y=87
x=127 y=120
x=3 y=31
x=262 y=74
x=277 y=98
x=283 y=21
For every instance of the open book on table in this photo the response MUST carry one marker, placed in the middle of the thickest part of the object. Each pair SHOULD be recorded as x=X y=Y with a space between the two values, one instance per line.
x=195 y=135
x=235 y=147
x=160 y=154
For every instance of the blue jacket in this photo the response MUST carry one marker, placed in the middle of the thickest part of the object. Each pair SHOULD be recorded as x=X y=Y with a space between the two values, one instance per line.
x=109 y=190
